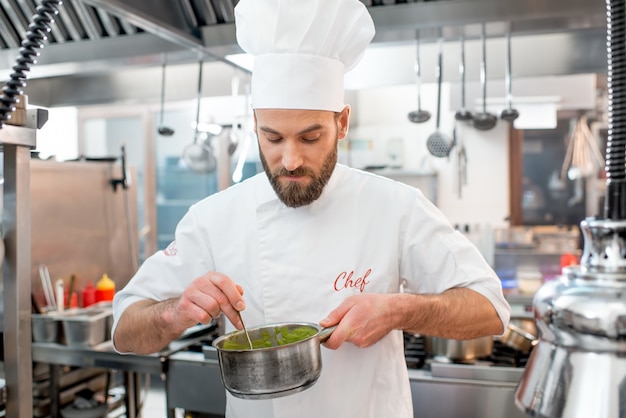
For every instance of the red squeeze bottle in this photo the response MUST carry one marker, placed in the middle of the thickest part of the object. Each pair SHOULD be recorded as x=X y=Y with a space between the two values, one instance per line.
x=89 y=294
x=105 y=289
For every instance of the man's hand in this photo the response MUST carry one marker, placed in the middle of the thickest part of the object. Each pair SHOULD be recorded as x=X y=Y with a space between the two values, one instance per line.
x=147 y=326
x=206 y=298
x=361 y=320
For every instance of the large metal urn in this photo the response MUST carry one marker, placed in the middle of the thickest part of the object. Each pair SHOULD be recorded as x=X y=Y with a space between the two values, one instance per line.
x=578 y=368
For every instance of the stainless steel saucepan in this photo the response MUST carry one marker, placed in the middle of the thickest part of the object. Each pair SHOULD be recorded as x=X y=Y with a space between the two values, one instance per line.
x=459 y=350
x=276 y=366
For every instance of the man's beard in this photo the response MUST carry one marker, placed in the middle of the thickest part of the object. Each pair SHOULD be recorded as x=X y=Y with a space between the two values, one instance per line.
x=293 y=194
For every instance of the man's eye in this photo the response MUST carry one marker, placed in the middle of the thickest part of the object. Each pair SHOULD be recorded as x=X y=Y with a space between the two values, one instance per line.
x=273 y=138
x=311 y=137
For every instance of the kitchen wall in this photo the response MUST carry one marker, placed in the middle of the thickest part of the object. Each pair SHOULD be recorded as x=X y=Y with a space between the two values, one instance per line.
x=381 y=130
x=381 y=119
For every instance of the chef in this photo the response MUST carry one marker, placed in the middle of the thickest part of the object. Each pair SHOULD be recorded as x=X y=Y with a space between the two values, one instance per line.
x=312 y=240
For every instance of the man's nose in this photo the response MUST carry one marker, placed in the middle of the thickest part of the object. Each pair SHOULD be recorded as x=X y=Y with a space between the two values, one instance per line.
x=292 y=156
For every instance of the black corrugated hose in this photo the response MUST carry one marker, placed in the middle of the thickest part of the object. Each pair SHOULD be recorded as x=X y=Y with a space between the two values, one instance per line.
x=28 y=52
x=615 y=203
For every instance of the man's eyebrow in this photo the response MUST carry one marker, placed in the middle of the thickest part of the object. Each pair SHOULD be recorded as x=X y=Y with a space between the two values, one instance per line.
x=306 y=130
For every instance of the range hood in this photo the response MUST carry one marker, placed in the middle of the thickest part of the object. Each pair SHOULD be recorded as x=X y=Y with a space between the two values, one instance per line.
x=96 y=37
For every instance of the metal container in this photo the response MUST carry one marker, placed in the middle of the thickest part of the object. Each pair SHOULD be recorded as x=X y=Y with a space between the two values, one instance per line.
x=85 y=327
x=271 y=372
x=46 y=328
x=459 y=350
x=520 y=336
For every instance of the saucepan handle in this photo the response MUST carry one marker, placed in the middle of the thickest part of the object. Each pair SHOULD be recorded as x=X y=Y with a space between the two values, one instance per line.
x=325 y=333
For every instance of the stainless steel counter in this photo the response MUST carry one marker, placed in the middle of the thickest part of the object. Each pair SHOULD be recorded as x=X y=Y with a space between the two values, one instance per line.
x=452 y=391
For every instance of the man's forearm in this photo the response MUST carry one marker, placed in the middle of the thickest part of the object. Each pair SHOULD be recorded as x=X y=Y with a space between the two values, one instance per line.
x=457 y=313
x=144 y=327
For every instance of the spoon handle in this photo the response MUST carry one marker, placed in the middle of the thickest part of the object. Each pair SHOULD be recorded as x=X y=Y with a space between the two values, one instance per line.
x=245 y=330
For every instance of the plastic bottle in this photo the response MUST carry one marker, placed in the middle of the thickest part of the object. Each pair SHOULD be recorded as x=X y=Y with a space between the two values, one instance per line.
x=105 y=289
x=89 y=294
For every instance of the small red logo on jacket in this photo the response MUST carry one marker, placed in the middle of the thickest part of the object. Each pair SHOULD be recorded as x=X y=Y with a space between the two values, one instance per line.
x=171 y=249
x=347 y=280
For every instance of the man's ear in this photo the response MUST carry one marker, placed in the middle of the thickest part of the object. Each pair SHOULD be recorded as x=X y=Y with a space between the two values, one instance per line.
x=343 y=122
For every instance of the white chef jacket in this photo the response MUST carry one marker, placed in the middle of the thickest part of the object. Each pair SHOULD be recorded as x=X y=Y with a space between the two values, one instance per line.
x=365 y=234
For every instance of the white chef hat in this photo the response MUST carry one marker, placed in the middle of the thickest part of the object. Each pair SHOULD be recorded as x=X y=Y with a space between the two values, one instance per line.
x=301 y=49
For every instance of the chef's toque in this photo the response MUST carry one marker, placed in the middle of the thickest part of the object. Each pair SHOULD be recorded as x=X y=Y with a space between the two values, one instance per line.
x=301 y=49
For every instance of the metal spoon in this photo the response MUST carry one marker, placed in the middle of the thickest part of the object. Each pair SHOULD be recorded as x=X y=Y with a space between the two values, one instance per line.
x=463 y=114
x=484 y=120
x=509 y=114
x=245 y=330
x=163 y=130
x=419 y=115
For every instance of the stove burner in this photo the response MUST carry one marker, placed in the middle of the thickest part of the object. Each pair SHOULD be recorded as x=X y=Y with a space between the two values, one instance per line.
x=502 y=355
x=414 y=351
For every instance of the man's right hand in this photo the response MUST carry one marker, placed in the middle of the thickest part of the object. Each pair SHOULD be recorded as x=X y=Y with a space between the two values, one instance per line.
x=206 y=298
x=147 y=326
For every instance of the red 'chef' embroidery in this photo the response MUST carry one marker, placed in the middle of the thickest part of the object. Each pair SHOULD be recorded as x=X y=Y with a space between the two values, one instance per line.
x=345 y=281
x=171 y=249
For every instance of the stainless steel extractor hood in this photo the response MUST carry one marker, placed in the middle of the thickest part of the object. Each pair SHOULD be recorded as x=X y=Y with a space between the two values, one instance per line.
x=96 y=37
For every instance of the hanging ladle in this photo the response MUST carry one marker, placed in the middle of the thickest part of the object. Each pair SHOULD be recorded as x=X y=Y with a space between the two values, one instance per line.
x=463 y=115
x=163 y=130
x=484 y=120
x=438 y=144
x=419 y=115
x=509 y=114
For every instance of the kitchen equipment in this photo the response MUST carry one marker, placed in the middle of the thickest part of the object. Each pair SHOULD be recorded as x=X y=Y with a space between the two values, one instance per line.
x=247 y=138
x=199 y=155
x=271 y=372
x=517 y=338
x=461 y=163
x=438 y=144
x=578 y=367
x=419 y=115
x=163 y=130
x=509 y=114
x=463 y=114
x=46 y=284
x=46 y=328
x=84 y=327
x=459 y=350
x=245 y=330
x=484 y=120
x=583 y=157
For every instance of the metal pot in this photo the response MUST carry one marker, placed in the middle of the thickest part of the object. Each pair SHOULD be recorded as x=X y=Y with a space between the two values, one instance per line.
x=518 y=338
x=271 y=372
x=459 y=350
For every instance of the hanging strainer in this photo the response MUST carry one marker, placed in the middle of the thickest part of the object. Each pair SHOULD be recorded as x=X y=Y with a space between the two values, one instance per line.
x=199 y=155
x=438 y=143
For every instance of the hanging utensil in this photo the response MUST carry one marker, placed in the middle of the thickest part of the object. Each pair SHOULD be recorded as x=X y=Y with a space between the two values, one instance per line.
x=238 y=171
x=438 y=144
x=198 y=155
x=484 y=120
x=463 y=114
x=233 y=134
x=163 y=130
x=509 y=114
x=419 y=115
x=461 y=164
